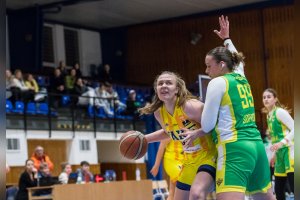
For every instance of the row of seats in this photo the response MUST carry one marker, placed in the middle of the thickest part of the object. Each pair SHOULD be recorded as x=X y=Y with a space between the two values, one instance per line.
x=100 y=113
x=31 y=108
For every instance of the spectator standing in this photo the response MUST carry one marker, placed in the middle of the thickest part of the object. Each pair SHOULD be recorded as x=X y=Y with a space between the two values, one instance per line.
x=63 y=68
x=105 y=75
x=40 y=157
x=77 y=69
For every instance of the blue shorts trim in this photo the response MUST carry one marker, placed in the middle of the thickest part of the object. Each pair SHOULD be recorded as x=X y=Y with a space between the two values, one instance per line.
x=209 y=169
x=183 y=186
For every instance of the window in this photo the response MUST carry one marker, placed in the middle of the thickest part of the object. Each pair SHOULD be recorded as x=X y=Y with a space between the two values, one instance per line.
x=71 y=46
x=13 y=144
x=48 y=47
x=84 y=145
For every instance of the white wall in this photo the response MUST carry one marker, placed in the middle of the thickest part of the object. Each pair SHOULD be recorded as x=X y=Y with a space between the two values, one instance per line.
x=108 y=152
x=59 y=44
x=17 y=158
x=75 y=155
x=89 y=50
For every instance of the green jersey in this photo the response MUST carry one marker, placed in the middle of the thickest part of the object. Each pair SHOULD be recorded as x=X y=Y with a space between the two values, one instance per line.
x=236 y=120
x=277 y=129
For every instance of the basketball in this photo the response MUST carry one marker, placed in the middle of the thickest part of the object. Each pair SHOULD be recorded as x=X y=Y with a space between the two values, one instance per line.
x=133 y=145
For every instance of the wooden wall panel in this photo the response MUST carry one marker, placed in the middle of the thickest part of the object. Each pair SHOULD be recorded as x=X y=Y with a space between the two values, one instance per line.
x=55 y=149
x=279 y=40
x=263 y=35
x=14 y=174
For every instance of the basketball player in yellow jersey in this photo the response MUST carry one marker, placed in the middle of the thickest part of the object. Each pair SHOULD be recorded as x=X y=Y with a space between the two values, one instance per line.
x=177 y=111
x=172 y=152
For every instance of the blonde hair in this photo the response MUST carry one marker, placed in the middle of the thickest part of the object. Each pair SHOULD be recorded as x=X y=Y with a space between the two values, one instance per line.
x=183 y=94
x=277 y=104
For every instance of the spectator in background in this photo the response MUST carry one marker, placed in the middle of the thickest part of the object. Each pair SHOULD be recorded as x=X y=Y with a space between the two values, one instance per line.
x=31 y=83
x=44 y=179
x=57 y=86
x=9 y=78
x=70 y=81
x=63 y=68
x=40 y=157
x=131 y=104
x=113 y=95
x=66 y=171
x=84 y=93
x=27 y=179
x=102 y=100
x=18 y=88
x=105 y=75
x=77 y=69
x=85 y=173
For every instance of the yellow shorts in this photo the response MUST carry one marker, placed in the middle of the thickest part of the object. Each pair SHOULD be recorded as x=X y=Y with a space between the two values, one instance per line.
x=194 y=163
x=173 y=167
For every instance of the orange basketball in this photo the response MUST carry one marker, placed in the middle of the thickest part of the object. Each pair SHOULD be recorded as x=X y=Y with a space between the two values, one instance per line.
x=133 y=145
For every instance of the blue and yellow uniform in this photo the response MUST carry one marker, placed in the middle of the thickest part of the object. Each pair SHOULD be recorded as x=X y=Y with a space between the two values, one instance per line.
x=200 y=156
x=242 y=164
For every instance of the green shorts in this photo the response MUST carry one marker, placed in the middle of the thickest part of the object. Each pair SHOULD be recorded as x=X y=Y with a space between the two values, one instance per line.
x=284 y=161
x=242 y=167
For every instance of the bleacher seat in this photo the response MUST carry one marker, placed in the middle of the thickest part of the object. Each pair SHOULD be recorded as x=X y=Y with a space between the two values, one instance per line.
x=19 y=107
x=31 y=108
x=65 y=100
x=43 y=109
x=9 y=106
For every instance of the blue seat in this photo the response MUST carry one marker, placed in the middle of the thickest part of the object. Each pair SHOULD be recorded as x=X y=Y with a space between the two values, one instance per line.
x=43 y=109
x=65 y=100
x=19 y=107
x=100 y=112
x=31 y=108
x=9 y=106
x=91 y=111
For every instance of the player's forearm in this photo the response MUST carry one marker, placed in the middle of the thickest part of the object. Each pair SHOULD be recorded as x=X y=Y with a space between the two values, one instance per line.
x=156 y=136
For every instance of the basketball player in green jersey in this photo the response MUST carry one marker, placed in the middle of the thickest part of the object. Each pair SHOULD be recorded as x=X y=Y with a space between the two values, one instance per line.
x=242 y=164
x=177 y=110
x=281 y=129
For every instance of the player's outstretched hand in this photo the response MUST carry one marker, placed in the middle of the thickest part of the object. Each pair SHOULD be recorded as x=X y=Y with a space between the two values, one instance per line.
x=224 y=28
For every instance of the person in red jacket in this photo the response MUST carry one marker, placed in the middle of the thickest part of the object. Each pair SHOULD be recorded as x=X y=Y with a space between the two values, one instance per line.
x=40 y=157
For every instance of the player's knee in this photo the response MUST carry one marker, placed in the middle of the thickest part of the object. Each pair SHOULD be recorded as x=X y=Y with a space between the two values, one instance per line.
x=197 y=194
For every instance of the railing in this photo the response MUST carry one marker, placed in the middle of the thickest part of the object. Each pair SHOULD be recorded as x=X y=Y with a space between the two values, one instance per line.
x=60 y=112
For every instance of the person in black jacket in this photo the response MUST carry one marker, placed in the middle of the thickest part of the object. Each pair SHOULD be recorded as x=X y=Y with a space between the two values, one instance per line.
x=27 y=179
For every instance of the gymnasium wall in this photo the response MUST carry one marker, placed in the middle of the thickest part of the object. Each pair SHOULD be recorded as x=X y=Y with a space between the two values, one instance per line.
x=264 y=36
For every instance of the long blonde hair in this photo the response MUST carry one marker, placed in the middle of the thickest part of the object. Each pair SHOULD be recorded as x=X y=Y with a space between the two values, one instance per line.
x=277 y=103
x=183 y=94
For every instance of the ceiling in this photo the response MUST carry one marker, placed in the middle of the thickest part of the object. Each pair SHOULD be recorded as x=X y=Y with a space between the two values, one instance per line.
x=103 y=14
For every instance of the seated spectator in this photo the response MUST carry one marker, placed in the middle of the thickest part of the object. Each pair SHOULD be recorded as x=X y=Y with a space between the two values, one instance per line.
x=70 y=81
x=57 y=86
x=84 y=172
x=81 y=90
x=112 y=94
x=104 y=73
x=63 y=68
x=66 y=171
x=102 y=99
x=9 y=78
x=27 y=179
x=40 y=157
x=19 y=90
x=131 y=104
x=44 y=178
x=31 y=83
x=78 y=71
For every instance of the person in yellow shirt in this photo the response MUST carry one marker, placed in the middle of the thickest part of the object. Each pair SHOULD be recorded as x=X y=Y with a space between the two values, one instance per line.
x=177 y=110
